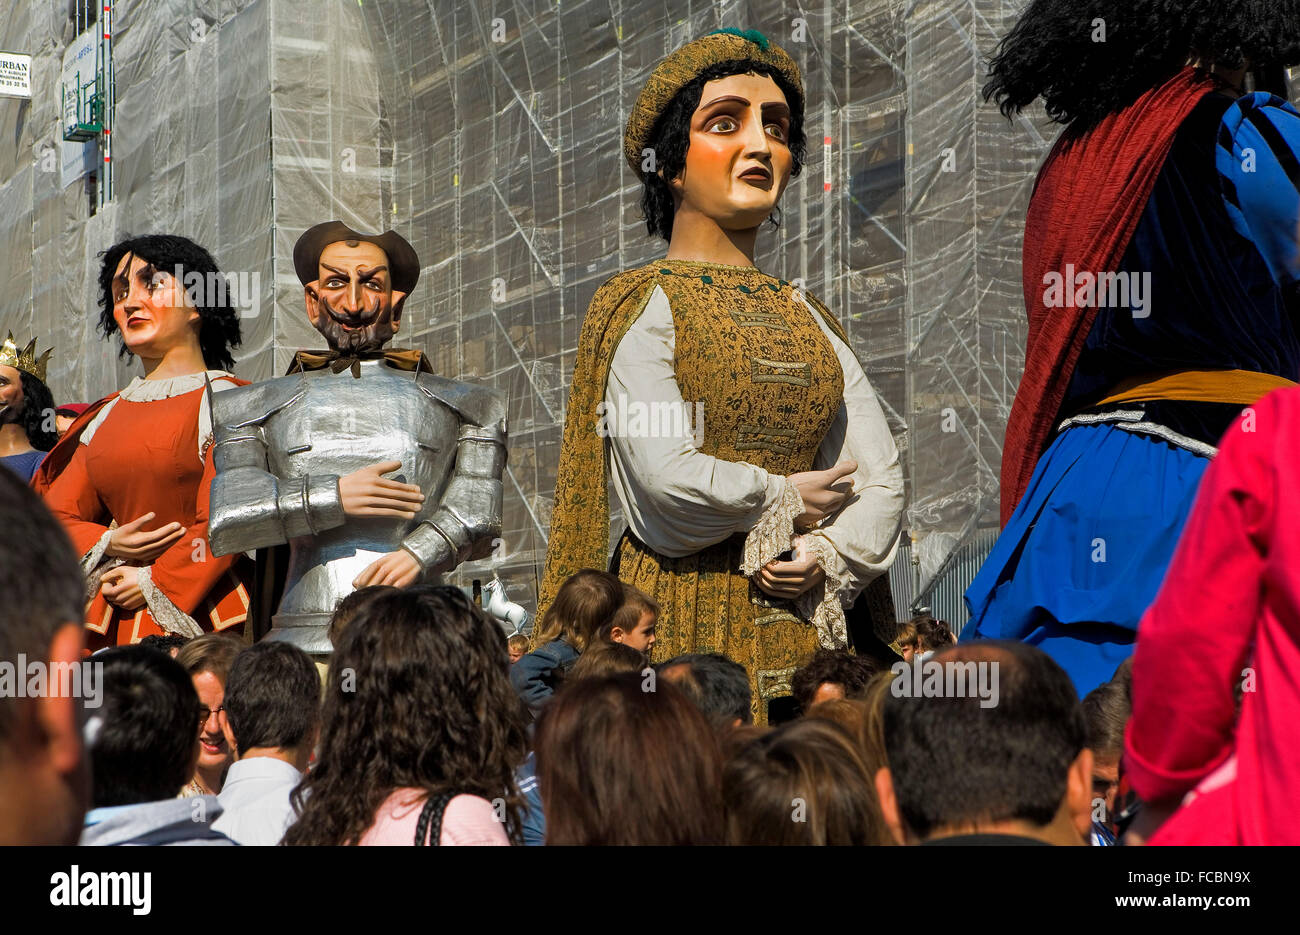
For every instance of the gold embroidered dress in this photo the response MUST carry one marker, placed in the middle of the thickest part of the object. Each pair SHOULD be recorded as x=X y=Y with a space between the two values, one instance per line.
x=762 y=371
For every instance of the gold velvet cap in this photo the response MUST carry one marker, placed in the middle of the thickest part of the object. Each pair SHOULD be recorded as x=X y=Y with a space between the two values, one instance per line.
x=682 y=67
x=25 y=359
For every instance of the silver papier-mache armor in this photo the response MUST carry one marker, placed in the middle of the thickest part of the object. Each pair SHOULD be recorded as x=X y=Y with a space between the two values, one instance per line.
x=282 y=445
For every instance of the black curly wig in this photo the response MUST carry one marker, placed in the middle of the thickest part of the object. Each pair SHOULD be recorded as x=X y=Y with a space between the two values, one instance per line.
x=1053 y=51
x=219 y=328
x=671 y=137
x=37 y=417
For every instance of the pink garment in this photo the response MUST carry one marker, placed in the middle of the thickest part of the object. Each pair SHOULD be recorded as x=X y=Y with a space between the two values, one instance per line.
x=468 y=821
x=1228 y=614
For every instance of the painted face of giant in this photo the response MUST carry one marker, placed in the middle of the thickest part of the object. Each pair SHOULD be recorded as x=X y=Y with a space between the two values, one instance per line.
x=738 y=162
x=353 y=303
x=152 y=310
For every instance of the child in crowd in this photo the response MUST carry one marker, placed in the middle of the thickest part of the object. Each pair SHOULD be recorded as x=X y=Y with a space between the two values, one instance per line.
x=517 y=645
x=634 y=623
x=925 y=635
x=585 y=603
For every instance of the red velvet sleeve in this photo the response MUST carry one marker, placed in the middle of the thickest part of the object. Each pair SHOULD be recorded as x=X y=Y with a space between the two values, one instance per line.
x=73 y=500
x=187 y=571
x=1195 y=639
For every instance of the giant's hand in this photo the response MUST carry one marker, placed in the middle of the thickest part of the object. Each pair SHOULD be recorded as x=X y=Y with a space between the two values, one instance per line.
x=790 y=579
x=397 y=569
x=823 y=492
x=366 y=493
x=133 y=544
x=121 y=587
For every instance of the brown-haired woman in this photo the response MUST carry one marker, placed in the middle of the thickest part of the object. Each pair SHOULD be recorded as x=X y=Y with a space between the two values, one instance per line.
x=585 y=603
x=421 y=730
x=618 y=764
x=803 y=783
x=208 y=659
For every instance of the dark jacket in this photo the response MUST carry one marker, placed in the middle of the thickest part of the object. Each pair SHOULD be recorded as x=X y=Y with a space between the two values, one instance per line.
x=537 y=675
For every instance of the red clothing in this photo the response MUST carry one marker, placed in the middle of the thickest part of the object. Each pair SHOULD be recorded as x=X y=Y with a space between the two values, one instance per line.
x=144 y=457
x=1228 y=614
x=1087 y=202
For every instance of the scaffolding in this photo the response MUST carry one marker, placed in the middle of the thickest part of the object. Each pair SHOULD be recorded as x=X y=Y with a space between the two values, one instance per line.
x=489 y=135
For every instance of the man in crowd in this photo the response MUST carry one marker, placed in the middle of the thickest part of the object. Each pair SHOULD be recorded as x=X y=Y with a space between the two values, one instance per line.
x=143 y=749
x=271 y=721
x=717 y=685
x=44 y=783
x=964 y=771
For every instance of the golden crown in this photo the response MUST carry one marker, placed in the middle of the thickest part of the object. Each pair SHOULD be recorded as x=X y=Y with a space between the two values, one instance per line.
x=26 y=359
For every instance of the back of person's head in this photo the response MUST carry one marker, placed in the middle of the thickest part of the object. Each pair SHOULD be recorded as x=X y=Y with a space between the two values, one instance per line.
x=1106 y=711
x=617 y=764
x=345 y=610
x=143 y=748
x=211 y=652
x=831 y=673
x=849 y=713
x=44 y=788
x=717 y=684
x=168 y=643
x=602 y=659
x=958 y=763
x=932 y=634
x=871 y=740
x=418 y=696
x=272 y=698
x=906 y=638
x=803 y=783
x=584 y=603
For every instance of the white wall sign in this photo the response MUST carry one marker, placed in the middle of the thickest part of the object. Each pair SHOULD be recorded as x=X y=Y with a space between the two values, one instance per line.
x=15 y=75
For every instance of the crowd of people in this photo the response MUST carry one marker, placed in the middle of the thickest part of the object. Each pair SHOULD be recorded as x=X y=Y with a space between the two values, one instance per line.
x=1127 y=669
x=426 y=732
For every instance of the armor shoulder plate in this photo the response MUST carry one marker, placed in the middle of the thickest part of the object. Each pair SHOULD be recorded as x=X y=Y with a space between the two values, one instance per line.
x=480 y=405
x=255 y=403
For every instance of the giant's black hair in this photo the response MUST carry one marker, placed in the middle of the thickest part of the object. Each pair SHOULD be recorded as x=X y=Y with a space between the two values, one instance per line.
x=671 y=137
x=1090 y=58
x=219 y=328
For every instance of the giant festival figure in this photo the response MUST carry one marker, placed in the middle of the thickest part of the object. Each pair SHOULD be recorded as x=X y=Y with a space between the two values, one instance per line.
x=779 y=498
x=296 y=456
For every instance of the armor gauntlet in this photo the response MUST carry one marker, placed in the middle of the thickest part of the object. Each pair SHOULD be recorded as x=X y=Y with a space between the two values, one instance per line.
x=468 y=519
x=251 y=508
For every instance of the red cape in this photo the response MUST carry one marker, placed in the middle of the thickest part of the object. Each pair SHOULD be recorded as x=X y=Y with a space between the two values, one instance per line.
x=1087 y=201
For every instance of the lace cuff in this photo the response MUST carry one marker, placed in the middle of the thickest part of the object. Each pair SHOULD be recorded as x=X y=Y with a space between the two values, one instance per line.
x=166 y=614
x=92 y=559
x=822 y=605
x=774 y=531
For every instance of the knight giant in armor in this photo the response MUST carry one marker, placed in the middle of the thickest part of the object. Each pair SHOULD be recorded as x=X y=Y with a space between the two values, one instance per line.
x=305 y=459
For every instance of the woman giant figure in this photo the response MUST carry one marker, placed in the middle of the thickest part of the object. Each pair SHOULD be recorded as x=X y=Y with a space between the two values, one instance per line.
x=130 y=479
x=778 y=496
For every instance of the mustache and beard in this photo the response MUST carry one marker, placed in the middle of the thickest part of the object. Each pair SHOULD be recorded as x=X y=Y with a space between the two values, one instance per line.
x=368 y=331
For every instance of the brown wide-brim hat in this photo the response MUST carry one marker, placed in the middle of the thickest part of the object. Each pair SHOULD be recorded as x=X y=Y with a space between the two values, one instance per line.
x=684 y=65
x=403 y=263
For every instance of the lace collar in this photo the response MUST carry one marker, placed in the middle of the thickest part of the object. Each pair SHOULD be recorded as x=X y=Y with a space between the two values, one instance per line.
x=141 y=390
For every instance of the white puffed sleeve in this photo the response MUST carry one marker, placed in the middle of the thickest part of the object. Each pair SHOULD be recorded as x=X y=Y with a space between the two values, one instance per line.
x=676 y=499
x=859 y=542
